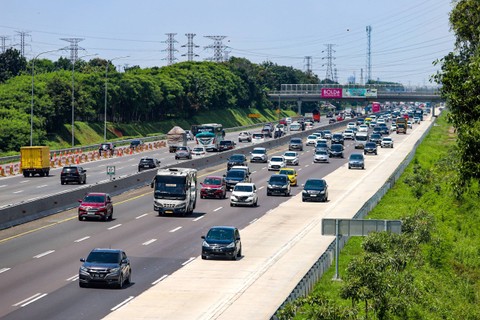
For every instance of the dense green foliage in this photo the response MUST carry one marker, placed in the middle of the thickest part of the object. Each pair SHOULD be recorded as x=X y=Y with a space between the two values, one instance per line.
x=460 y=79
x=431 y=270
x=179 y=91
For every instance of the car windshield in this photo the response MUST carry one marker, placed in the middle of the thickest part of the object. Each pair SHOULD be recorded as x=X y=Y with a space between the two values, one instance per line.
x=336 y=147
x=370 y=145
x=258 y=136
x=237 y=157
x=290 y=154
x=296 y=141
x=70 y=170
x=287 y=172
x=212 y=181
x=243 y=188
x=277 y=159
x=356 y=157
x=387 y=139
x=235 y=174
x=257 y=151
x=321 y=152
x=220 y=234
x=181 y=148
x=170 y=187
x=103 y=257
x=316 y=184
x=375 y=136
x=94 y=198
x=312 y=137
x=277 y=179
x=199 y=149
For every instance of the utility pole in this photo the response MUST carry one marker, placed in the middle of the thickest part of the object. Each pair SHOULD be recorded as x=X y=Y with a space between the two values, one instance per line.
x=369 y=54
x=330 y=64
x=170 y=48
x=190 y=45
x=361 y=76
x=218 y=48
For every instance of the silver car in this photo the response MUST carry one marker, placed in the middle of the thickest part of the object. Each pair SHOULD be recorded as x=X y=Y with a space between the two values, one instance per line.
x=356 y=160
x=321 y=155
x=291 y=157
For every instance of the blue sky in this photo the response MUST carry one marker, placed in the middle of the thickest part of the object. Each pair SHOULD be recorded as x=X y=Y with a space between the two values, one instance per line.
x=407 y=35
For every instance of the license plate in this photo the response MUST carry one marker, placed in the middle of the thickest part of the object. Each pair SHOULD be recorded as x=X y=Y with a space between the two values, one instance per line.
x=168 y=211
x=145 y=165
x=91 y=212
x=313 y=195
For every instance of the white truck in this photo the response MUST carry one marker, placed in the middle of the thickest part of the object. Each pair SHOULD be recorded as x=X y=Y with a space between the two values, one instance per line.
x=361 y=139
x=175 y=191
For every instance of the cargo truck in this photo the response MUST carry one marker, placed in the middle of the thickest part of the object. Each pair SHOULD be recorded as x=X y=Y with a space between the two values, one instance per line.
x=35 y=160
x=176 y=137
x=401 y=123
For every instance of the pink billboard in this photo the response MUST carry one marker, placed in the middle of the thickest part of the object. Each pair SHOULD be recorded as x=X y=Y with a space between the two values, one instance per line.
x=331 y=93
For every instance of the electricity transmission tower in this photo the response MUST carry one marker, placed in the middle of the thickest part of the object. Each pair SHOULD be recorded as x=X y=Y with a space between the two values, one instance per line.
x=3 y=45
x=218 y=48
x=170 y=48
x=308 y=65
x=73 y=48
x=22 y=34
x=369 y=55
x=330 y=64
x=190 y=45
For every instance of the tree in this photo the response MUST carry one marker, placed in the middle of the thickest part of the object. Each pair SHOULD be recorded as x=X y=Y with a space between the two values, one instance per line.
x=460 y=80
x=11 y=64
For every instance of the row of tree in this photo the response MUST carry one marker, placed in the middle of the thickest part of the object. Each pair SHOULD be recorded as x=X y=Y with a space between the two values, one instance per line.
x=52 y=89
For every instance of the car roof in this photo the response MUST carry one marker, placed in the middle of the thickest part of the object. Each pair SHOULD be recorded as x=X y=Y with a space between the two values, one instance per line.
x=96 y=194
x=106 y=250
x=245 y=184
x=259 y=148
x=223 y=227
x=213 y=177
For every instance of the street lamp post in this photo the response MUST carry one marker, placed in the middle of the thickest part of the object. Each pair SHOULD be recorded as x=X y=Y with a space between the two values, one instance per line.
x=73 y=95
x=33 y=85
x=106 y=95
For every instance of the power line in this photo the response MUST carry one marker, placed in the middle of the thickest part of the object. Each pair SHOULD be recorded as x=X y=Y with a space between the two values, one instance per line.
x=369 y=53
x=22 y=34
x=190 y=46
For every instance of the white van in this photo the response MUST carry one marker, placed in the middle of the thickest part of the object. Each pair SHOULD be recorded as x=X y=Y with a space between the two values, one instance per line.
x=361 y=138
x=295 y=126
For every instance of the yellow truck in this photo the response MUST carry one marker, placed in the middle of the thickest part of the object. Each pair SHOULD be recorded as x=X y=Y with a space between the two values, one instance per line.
x=35 y=160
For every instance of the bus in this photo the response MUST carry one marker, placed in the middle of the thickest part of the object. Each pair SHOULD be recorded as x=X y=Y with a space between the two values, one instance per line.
x=209 y=136
x=175 y=191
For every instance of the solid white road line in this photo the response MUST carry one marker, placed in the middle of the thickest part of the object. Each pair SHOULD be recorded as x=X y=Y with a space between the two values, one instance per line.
x=4 y=269
x=27 y=301
x=42 y=186
x=116 y=226
x=19 y=191
x=253 y=221
x=260 y=188
x=188 y=261
x=149 y=242
x=158 y=280
x=122 y=303
x=219 y=208
x=73 y=278
x=142 y=215
x=3 y=185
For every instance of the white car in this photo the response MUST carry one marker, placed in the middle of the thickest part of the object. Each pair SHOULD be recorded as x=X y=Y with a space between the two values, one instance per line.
x=348 y=134
x=291 y=157
x=198 y=151
x=244 y=136
x=258 y=137
x=393 y=127
x=381 y=120
x=276 y=163
x=387 y=142
x=244 y=194
x=351 y=125
x=311 y=140
x=410 y=124
x=363 y=128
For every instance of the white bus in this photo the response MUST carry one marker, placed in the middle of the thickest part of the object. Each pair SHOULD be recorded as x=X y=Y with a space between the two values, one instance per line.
x=209 y=136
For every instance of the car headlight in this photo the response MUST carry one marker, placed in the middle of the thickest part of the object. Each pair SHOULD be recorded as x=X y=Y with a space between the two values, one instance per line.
x=83 y=269
x=115 y=270
x=305 y=192
x=205 y=244
x=231 y=245
x=285 y=186
x=233 y=197
x=269 y=186
x=322 y=192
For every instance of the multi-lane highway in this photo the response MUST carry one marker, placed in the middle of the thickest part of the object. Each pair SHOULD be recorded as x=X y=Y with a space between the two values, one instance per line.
x=40 y=260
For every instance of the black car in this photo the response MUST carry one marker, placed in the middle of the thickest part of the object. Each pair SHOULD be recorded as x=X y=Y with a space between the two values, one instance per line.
x=295 y=144
x=315 y=190
x=105 y=266
x=375 y=137
x=370 y=147
x=278 y=184
x=235 y=176
x=337 y=138
x=222 y=241
x=331 y=120
x=148 y=163
x=226 y=145
x=237 y=160
x=378 y=130
x=73 y=174
x=336 y=151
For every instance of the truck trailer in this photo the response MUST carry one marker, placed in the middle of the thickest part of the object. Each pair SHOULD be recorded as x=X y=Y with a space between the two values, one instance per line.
x=35 y=160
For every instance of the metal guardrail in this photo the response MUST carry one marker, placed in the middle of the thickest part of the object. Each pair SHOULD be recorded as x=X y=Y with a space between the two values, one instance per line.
x=307 y=283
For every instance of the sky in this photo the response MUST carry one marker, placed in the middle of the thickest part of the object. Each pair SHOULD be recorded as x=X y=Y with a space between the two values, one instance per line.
x=407 y=36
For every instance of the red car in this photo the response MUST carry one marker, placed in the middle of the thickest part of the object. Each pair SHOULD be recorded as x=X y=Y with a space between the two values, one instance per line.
x=96 y=206
x=213 y=187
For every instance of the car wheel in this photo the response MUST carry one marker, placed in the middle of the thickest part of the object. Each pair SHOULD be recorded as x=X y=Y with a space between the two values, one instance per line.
x=240 y=253
x=268 y=193
x=349 y=167
x=111 y=216
x=62 y=182
x=129 y=279
x=255 y=204
x=120 y=282
x=235 y=256
x=231 y=204
x=82 y=285
x=204 y=257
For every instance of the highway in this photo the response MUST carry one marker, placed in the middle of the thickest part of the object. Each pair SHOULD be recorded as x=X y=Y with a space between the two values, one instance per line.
x=40 y=260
